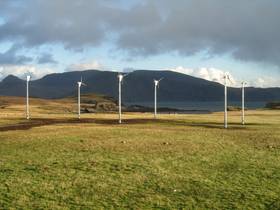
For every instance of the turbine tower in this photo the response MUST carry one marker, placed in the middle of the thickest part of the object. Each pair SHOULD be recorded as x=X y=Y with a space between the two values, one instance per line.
x=79 y=96
x=120 y=76
x=156 y=83
x=28 y=77
x=243 y=103
x=226 y=78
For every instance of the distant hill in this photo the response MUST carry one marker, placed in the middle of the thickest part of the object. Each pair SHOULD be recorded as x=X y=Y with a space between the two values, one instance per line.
x=137 y=87
x=90 y=103
x=273 y=105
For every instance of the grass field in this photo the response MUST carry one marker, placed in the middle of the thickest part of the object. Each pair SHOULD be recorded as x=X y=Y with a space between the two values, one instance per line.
x=54 y=161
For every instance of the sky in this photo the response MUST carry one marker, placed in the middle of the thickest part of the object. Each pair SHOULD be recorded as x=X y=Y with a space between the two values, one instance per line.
x=197 y=37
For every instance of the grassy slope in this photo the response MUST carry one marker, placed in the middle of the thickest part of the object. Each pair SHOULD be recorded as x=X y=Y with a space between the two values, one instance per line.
x=178 y=161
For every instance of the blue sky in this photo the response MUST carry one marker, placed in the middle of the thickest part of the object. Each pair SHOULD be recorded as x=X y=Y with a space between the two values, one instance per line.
x=196 y=37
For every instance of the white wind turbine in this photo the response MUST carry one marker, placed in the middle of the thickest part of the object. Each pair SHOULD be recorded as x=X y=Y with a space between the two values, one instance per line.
x=28 y=77
x=226 y=78
x=156 y=83
x=80 y=83
x=243 y=103
x=120 y=76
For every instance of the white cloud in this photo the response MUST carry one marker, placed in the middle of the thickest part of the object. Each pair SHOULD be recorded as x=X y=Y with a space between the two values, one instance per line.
x=216 y=75
x=94 y=64
x=211 y=74
x=128 y=70
x=265 y=82
x=22 y=70
x=183 y=70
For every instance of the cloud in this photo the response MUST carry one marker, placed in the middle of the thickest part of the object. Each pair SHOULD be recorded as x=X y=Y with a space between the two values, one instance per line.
x=216 y=75
x=183 y=70
x=85 y=66
x=128 y=70
x=265 y=82
x=11 y=57
x=65 y=22
x=211 y=74
x=22 y=70
x=46 y=58
x=248 y=30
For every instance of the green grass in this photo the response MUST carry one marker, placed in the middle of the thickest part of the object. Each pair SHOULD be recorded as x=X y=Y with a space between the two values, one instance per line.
x=175 y=162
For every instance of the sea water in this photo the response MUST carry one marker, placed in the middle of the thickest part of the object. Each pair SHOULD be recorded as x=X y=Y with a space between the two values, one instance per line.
x=201 y=106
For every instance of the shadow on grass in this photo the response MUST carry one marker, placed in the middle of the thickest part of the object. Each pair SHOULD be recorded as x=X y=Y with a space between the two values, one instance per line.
x=38 y=122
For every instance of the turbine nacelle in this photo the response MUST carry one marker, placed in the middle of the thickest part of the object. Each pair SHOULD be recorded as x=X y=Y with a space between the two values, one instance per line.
x=28 y=78
x=120 y=76
x=226 y=77
x=81 y=83
x=156 y=82
x=243 y=83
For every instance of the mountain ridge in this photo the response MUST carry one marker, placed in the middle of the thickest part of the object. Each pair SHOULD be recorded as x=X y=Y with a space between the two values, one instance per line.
x=137 y=87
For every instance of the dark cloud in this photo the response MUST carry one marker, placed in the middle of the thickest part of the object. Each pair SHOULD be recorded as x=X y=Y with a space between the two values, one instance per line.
x=249 y=30
x=72 y=23
x=246 y=29
x=10 y=57
x=46 y=58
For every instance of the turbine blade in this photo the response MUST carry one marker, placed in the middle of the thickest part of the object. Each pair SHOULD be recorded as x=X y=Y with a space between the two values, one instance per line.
x=230 y=79
x=126 y=74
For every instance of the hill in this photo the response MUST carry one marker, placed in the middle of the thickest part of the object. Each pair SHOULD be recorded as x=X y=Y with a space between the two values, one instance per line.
x=273 y=105
x=90 y=103
x=137 y=87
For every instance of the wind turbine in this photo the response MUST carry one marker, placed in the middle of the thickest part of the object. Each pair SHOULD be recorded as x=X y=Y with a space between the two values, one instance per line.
x=80 y=83
x=120 y=76
x=156 y=82
x=28 y=77
x=243 y=103
x=226 y=78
